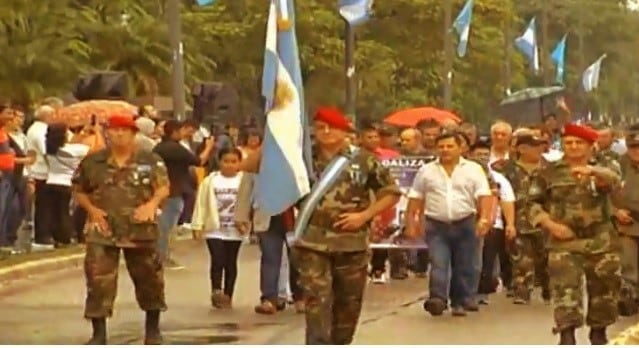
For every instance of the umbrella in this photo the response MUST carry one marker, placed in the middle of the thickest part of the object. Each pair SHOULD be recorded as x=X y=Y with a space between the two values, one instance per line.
x=529 y=105
x=82 y=113
x=410 y=117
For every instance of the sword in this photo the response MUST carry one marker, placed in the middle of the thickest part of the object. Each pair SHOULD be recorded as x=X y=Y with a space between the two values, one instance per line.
x=326 y=182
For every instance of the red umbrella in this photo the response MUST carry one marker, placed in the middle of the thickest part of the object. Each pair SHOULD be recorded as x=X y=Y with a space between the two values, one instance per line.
x=410 y=117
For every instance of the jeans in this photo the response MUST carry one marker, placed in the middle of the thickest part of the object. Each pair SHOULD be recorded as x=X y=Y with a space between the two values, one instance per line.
x=167 y=222
x=5 y=195
x=453 y=250
x=271 y=243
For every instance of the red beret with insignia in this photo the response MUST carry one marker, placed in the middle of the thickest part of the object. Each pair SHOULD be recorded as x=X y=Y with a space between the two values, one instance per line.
x=334 y=118
x=122 y=121
x=586 y=133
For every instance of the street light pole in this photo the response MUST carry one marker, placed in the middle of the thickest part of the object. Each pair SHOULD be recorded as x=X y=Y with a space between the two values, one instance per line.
x=349 y=71
x=175 y=38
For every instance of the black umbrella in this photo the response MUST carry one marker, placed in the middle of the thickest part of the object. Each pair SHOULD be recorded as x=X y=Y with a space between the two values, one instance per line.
x=529 y=105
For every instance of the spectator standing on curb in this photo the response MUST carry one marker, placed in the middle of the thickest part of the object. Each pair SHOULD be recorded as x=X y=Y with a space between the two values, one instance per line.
x=178 y=160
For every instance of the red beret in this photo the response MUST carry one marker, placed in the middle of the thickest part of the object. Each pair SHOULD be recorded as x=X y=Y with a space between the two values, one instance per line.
x=586 y=133
x=334 y=118
x=122 y=121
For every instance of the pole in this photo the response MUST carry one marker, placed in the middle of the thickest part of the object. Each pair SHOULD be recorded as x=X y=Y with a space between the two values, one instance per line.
x=507 y=55
x=543 y=56
x=349 y=71
x=448 y=51
x=175 y=38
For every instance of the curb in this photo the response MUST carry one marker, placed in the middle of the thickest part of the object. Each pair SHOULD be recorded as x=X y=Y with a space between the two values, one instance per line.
x=29 y=268
x=35 y=267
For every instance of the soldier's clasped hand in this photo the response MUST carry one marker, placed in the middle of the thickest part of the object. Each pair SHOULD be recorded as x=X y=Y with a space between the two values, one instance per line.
x=97 y=217
x=351 y=221
x=623 y=216
x=145 y=213
x=560 y=231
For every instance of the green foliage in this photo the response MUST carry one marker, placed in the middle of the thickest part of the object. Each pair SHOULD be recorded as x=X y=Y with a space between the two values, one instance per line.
x=400 y=59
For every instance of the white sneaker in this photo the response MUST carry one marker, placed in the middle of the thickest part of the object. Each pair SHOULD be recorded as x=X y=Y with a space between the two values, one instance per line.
x=379 y=278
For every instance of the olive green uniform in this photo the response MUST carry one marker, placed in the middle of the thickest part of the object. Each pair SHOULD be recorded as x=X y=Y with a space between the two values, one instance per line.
x=119 y=191
x=333 y=263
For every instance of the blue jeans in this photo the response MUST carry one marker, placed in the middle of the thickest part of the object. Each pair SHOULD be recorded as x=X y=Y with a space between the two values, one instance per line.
x=5 y=204
x=167 y=222
x=453 y=255
x=271 y=246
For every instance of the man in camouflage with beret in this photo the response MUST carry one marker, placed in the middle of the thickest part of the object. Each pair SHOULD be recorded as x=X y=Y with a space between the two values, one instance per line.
x=570 y=200
x=332 y=255
x=626 y=213
x=528 y=252
x=121 y=189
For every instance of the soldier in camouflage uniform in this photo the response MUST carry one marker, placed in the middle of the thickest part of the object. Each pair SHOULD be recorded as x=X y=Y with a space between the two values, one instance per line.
x=332 y=255
x=626 y=214
x=121 y=190
x=528 y=253
x=570 y=200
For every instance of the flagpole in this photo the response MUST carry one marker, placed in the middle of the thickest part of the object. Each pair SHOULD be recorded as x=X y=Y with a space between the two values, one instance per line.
x=349 y=70
x=449 y=54
x=175 y=38
x=507 y=53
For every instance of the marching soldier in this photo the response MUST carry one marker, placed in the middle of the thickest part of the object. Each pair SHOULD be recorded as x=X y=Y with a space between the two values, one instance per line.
x=332 y=255
x=121 y=190
x=528 y=252
x=626 y=216
x=570 y=200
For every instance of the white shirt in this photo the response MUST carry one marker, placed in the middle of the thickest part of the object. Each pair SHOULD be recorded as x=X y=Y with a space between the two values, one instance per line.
x=36 y=136
x=226 y=195
x=450 y=198
x=21 y=139
x=64 y=163
x=494 y=158
x=506 y=194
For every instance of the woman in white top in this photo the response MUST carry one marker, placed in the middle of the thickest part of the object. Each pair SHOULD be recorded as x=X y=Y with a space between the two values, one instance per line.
x=218 y=195
x=63 y=158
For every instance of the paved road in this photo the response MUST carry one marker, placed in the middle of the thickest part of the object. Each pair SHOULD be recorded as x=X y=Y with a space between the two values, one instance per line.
x=48 y=310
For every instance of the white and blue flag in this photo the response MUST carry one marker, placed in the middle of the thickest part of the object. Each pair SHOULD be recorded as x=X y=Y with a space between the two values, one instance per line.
x=527 y=44
x=558 y=57
x=355 y=12
x=462 y=26
x=590 y=77
x=283 y=177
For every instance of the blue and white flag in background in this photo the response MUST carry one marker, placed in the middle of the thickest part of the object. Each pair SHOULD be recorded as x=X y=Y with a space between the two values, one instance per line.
x=355 y=12
x=283 y=178
x=558 y=56
x=590 y=77
x=205 y=2
x=462 y=26
x=527 y=44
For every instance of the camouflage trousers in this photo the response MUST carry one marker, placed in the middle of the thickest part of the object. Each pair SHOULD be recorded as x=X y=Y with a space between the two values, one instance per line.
x=101 y=270
x=602 y=281
x=629 y=267
x=333 y=286
x=530 y=262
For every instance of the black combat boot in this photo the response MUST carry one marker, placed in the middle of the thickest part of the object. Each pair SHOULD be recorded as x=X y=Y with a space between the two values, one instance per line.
x=152 y=334
x=567 y=337
x=598 y=336
x=99 y=332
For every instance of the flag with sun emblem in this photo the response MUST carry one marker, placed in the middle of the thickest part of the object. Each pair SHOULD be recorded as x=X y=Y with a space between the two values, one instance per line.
x=283 y=178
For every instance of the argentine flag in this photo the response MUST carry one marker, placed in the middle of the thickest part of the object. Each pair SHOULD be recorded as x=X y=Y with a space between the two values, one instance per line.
x=462 y=26
x=283 y=177
x=590 y=77
x=355 y=12
x=558 y=56
x=527 y=44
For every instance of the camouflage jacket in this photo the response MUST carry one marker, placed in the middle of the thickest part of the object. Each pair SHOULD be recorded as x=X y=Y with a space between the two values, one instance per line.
x=582 y=206
x=351 y=193
x=520 y=179
x=119 y=191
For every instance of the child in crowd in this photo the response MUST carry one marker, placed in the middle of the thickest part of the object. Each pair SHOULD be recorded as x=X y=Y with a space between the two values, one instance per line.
x=214 y=215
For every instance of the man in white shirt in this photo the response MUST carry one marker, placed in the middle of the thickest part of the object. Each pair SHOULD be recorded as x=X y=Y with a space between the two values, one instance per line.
x=494 y=244
x=36 y=135
x=500 y=134
x=444 y=202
